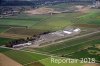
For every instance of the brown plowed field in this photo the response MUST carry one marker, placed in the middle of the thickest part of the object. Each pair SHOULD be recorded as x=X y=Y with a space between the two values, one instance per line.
x=6 y=61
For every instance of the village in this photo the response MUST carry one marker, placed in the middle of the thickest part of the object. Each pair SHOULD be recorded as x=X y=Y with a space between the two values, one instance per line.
x=6 y=11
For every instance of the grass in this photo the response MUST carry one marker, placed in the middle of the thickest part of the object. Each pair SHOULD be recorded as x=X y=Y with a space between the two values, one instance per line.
x=47 y=62
x=91 y=18
x=43 y=22
x=25 y=31
x=76 y=48
x=2 y=29
x=4 y=41
x=21 y=56
x=67 y=50
x=37 y=23
x=49 y=22
x=40 y=23
x=85 y=54
x=78 y=54
x=67 y=43
x=20 y=22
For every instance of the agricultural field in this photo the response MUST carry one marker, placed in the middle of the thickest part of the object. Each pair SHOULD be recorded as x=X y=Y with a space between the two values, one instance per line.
x=69 y=43
x=3 y=29
x=4 y=41
x=26 y=57
x=91 y=18
x=24 y=31
x=47 y=62
x=27 y=26
x=34 y=25
x=22 y=57
x=70 y=47
x=90 y=52
x=30 y=25
x=38 y=21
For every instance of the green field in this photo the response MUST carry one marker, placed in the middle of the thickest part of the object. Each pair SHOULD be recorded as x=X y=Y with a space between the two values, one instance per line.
x=47 y=23
x=91 y=18
x=40 y=23
x=30 y=25
x=35 y=24
x=3 y=29
x=20 y=22
x=4 y=41
x=86 y=54
x=70 y=47
x=24 y=31
x=21 y=56
x=68 y=43
x=47 y=62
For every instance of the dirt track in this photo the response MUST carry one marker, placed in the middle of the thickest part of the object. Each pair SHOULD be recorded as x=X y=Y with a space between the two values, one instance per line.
x=6 y=61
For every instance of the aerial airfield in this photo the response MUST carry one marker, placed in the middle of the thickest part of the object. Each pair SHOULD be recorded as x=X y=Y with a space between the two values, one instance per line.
x=61 y=34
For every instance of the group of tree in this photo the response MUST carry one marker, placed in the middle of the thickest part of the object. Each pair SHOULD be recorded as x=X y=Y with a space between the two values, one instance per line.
x=22 y=41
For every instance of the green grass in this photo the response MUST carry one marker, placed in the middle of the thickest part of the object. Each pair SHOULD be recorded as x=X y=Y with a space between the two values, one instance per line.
x=4 y=41
x=19 y=22
x=76 y=48
x=3 y=29
x=51 y=22
x=91 y=18
x=47 y=62
x=25 y=31
x=67 y=43
x=42 y=22
x=57 y=21
x=78 y=54
x=67 y=50
x=21 y=56
x=85 y=54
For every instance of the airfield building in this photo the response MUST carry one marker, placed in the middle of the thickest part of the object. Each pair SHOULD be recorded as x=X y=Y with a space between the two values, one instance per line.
x=51 y=37
x=22 y=45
